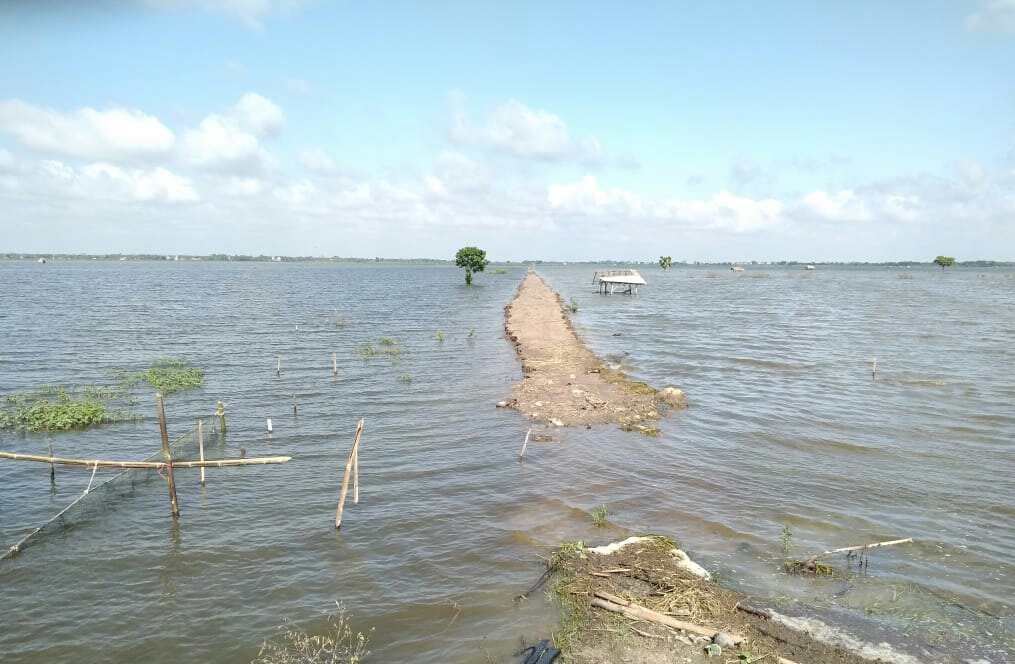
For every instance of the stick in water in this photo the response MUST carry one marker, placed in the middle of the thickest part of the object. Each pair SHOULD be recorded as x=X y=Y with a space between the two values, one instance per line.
x=525 y=444
x=200 y=446
x=345 y=479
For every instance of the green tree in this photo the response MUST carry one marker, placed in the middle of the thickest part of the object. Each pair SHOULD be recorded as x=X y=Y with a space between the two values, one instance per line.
x=944 y=261
x=472 y=259
x=665 y=262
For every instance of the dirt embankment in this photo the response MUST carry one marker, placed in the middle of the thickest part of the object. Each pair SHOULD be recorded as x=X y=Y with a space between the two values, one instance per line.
x=563 y=383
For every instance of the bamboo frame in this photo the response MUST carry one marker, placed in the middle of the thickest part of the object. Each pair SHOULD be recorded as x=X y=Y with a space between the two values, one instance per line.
x=99 y=463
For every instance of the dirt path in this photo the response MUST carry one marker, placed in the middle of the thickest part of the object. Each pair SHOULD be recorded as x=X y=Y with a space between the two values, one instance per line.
x=563 y=383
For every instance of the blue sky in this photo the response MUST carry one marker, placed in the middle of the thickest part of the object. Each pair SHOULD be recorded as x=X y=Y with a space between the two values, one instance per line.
x=705 y=131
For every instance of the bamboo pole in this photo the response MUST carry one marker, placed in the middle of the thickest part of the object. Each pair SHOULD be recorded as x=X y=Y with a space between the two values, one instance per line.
x=334 y=364
x=278 y=367
x=858 y=548
x=345 y=480
x=200 y=445
x=634 y=611
x=168 y=457
x=525 y=444
x=52 y=468
x=221 y=412
x=90 y=463
x=355 y=475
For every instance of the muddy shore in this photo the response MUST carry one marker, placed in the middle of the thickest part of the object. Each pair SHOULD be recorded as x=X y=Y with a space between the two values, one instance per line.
x=563 y=382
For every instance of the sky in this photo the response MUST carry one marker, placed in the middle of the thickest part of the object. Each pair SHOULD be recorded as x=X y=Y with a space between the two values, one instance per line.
x=706 y=131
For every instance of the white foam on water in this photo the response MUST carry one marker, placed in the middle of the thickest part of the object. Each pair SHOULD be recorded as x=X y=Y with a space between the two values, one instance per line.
x=833 y=636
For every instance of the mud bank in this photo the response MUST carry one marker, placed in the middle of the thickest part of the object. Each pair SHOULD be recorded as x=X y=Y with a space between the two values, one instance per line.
x=563 y=382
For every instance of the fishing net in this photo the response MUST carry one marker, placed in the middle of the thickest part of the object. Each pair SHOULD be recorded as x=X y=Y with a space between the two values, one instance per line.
x=104 y=496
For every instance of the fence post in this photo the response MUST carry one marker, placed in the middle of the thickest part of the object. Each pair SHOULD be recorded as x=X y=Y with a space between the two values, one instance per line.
x=168 y=457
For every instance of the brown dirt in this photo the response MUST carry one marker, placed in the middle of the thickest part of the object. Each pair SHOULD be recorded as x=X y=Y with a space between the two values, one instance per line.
x=563 y=383
x=645 y=573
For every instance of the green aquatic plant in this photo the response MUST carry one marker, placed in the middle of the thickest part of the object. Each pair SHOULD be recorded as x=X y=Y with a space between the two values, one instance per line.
x=366 y=351
x=599 y=515
x=386 y=341
x=439 y=336
x=787 y=537
x=499 y=270
x=405 y=378
x=572 y=306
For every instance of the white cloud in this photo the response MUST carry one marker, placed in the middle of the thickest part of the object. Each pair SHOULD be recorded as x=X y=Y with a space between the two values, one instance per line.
x=230 y=142
x=258 y=115
x=460 y=172
x=843 y=205
x=85 y=133
x=744 y=171
x=316 y=161
x=723 y=210
x=52 y=180
x=518 y=130
x=993 y=15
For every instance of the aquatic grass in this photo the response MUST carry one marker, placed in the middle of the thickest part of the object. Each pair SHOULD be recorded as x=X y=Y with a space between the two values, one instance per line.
x=339 y=644
x=168 y=380
x=405 y=378
x=599 y=515
x=572 y=306
x=499 y=270
x=787 y=538
x=366 y=351
x=386 y=341
x=439 y=336
x=616 y=377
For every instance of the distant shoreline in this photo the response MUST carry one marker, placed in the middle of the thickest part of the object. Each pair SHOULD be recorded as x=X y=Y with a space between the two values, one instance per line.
x=243 y=258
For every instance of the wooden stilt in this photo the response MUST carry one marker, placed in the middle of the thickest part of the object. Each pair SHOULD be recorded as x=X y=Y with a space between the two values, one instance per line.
x=524 y=445
x=348 y=471
x=168 y=457
x=52 y=468
x=334 y=364
x=221 y=412
x=200 y=446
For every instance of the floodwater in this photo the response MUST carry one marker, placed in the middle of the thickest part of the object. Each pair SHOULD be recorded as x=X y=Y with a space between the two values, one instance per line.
x=785 y=426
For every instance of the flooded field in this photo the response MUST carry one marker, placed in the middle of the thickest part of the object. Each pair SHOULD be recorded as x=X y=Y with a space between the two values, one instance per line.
x=785 y=426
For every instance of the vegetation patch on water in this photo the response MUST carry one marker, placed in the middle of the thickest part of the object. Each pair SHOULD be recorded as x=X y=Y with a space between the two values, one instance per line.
x=339 y=644
x=55 y=408
x=621 y=379
x=167 y=375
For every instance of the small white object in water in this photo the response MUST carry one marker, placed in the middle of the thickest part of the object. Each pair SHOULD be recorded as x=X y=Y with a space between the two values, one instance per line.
x=269 y=425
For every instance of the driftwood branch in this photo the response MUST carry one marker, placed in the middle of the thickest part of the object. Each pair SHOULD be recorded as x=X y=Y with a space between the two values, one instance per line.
x=811 y=564
x=99 y=463
x=605 y=600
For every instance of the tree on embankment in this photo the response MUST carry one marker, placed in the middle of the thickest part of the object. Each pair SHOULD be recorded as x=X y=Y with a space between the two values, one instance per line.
x=471 y=259
x=944 y=261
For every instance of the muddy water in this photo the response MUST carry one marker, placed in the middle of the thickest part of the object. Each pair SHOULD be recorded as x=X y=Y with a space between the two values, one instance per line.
x=785 y=426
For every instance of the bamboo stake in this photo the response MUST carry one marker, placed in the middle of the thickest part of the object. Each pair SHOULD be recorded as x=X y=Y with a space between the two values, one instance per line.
x=278 y=367
x=856 y=548
x=525 y=444
x=221 y=412
x=638 y=612
x=355 y=475
x=200 y=446
x=52 y=468
x=90 y=463
x=168 y=457
x=334 y=364
x=345 y=480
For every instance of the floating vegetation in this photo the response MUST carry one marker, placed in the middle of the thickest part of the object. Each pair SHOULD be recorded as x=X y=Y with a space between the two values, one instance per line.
x=405 y=378
x=572 y=306
x=599 y=515
x=294 y=645
x=787 y=538
x=645 y=430
x=499 y=270
x=808 y=567
x=167 y=375
x=439 y=336
x=366 y=351
x=54 y=408
x=620 y=378
x=386 y=341
x=472 y=334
